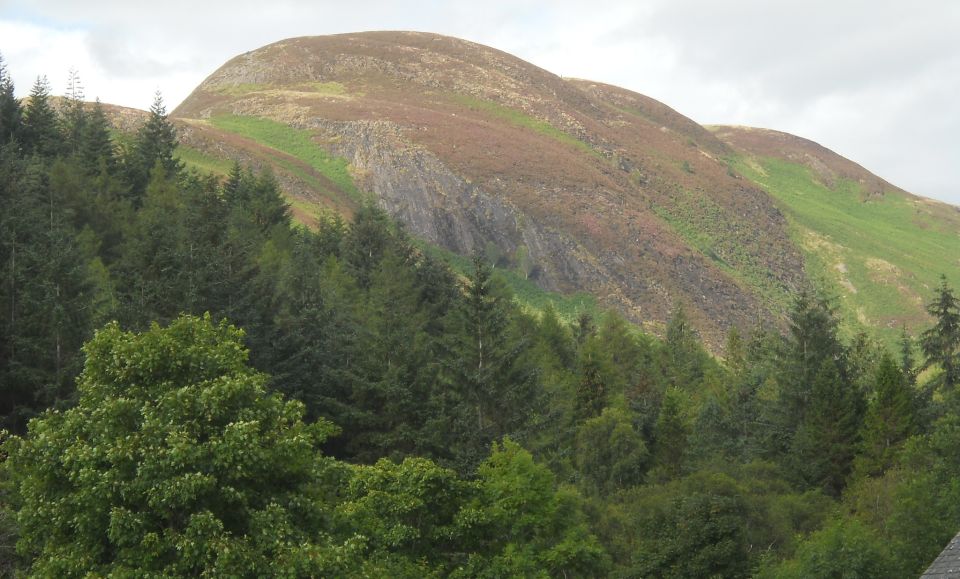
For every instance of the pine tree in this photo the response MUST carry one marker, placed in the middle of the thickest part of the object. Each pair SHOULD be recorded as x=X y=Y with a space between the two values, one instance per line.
x=41 y=134
x=908 y=364
x=595 y=372
x=941 y=343
x=45 y=293
x=735 y=352
x=685 y=356
x=889 y=421
x=671 y=436
x=810 y=344
x=367 y=239
x=155 y=143
x=154 y=285
x=826 y=441
x=488 y=386
x=266 y=203
x=585 y=327
x=9 y=107
x=400 y=353
x=96 y=150
x=74 y=115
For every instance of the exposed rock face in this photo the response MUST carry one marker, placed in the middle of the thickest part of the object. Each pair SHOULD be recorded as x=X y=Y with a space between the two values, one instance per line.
x=610 y=192
x=415 y=187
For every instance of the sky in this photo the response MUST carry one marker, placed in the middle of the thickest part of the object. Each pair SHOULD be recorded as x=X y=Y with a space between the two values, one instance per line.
x=877 y=81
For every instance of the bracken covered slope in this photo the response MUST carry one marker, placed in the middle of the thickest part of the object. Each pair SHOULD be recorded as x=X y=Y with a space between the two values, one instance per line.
x=581 y=185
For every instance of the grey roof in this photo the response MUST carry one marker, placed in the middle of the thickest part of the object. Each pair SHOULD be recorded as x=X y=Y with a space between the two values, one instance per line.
x=947 y=564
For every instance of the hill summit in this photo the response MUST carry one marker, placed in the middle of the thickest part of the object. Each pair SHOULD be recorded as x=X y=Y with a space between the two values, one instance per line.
x=577 y=185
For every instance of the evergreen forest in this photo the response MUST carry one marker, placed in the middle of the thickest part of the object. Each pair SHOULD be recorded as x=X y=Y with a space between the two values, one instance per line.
x=191 y=384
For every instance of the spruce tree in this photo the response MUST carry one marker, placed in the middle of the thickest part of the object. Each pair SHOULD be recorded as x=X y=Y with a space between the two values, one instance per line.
x=74 y=115
x=890 y=419
x=9 y=107
x=827 y=438
x=155 y=143
x=596 y=374
x=45 y=293
x=96 y=149
x=941 y=343
x=488 y=386
x=671 y=436
x=811 y=343
x=41 y=133
x=685 y=356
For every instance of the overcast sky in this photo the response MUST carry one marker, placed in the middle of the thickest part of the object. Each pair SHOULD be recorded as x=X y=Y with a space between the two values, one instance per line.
x=877 y=81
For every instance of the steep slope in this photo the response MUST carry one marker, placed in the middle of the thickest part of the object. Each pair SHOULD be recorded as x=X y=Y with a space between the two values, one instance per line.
x=604 y=190
x=879 y=248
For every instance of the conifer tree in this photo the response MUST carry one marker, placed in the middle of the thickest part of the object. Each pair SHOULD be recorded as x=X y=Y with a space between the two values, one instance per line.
x=735 y=352
x=155 y=143
x=908 y=364
x=9 y=107
x=74 y=115
x=811 y=343
x=41 y=133
x=96 y=150
x=610 y=454
x=151 y=271
x=826 y=441
x=685 y=356
x=488 y=386
x=889 y=421
x=45 y=293
x=671 y=435
x=585 y=327
x=400 y=353
x=596 y=374
x=941 y=343
x=367 y=239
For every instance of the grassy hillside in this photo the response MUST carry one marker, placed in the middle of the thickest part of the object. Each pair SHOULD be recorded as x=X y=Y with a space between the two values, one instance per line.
x=294 y=142
x=880 y=254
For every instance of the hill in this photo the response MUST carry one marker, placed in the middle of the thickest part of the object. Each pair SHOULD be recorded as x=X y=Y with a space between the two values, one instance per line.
x=577 y=185
x=878 y=248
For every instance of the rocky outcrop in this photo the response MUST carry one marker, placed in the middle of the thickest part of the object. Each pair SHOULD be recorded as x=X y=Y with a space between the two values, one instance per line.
x=436 y=204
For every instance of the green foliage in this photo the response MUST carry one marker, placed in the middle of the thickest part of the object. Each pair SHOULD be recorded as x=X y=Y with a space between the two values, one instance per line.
x=521 y=526
x=610 y=454
x=421 y=369
x=41 y=131
x=672 y=431
x=890 y=419
x=825 y=443
x=95 y=148
x=686 y=358
x=487 y=382
x=846 y=549
x=9 y=107
x=297 y=143
x=941 y=343
x=154 y=145
x=690 y=528
x=45 y=292
x=175 y=461
x=811 y=344
x=925 y=503
x=408 y=512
